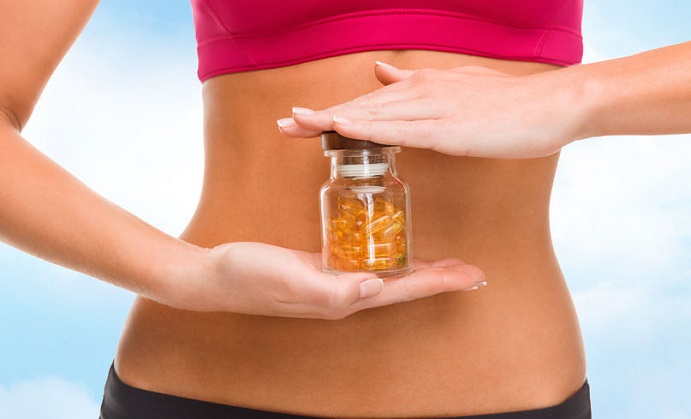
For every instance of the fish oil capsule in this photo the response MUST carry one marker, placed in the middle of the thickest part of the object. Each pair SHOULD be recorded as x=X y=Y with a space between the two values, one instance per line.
x=365 y=209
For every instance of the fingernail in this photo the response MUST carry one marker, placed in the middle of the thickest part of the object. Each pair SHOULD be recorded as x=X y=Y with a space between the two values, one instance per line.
x=371 y=287
x=342 y=121
x=385 y=65
x=477 y=285
x=285 y=123
x=302 y=111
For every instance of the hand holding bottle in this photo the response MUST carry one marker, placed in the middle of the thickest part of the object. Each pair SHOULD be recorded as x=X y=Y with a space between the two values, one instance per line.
x=473 y=111
x=462 y=111
x=261 y=279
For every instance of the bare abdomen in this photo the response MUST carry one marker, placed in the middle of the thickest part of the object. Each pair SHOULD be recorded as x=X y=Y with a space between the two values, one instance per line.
x=512 y=345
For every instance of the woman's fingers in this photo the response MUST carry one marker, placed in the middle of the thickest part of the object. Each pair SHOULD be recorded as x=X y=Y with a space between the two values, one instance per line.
x=383 y=103
x=386 y=108
x=261 y=279
x=410 y=96
x=403 y=132
x=290 y=128
x=388 y=74
x=469 y=111
x=394 y=115
x=334 y=297
x=425 y=282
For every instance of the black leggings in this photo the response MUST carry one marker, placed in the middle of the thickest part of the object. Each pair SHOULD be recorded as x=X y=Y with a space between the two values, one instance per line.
x=121 y=401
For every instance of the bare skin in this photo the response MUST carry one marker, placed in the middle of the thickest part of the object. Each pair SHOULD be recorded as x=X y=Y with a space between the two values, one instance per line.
x=245 y=322
x=512 y=345
x=223 y=323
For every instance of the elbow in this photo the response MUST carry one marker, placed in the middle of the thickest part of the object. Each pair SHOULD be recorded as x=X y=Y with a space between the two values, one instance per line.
x=9 y=116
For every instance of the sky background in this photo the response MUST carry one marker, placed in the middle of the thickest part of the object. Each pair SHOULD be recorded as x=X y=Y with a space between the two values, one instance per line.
x=123 y=113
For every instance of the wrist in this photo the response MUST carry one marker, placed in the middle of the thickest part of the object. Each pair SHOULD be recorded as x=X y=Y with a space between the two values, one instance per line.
x=177 y=273
x=583 y=103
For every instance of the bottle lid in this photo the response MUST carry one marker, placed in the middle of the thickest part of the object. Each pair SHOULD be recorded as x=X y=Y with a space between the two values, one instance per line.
x=331 y=140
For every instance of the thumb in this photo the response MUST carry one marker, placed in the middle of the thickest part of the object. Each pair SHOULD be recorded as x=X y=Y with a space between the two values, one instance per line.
x=387 y=74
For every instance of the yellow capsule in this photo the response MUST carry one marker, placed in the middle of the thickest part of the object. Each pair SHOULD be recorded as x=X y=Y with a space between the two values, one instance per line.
x=344 y=264
x=351 y=251
x=398 y=227
x=392 y=230
x=359 y=221
x=341 y=227
x=366 y=234
x=378 y=224
x=335 y=249
x=400 y=243
x=374 y=264
x=387 y=233
x=378 y=250
x=337 y=224
x=399 y=217
x=350 y=206
x=383 y=206
x=401 y=259
x=351 y=238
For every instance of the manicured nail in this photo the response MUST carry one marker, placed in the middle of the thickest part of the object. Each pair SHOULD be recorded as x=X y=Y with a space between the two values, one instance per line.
x=342 y=121
x=286 y=123
x=477 y=285
x=385 y=65
x=371 y=287
x=302 y=111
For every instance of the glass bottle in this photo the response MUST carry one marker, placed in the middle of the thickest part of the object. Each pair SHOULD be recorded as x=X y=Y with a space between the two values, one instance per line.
x=365 y=209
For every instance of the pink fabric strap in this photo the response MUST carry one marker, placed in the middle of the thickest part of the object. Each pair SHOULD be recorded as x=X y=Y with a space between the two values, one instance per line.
x=228 y=44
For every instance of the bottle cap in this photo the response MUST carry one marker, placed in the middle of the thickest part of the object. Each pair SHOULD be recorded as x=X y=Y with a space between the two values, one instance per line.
x=331 y=140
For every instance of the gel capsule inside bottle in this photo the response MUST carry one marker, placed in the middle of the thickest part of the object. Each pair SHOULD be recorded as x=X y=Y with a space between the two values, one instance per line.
x=365 y=209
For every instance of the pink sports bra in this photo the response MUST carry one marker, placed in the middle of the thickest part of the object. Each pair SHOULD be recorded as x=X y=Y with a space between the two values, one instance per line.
x=244 y=35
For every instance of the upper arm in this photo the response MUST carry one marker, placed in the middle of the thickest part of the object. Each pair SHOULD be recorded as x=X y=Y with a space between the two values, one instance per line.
x=34 y=37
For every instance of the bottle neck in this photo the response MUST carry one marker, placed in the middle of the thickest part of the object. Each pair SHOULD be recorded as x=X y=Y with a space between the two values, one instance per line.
x=357 y=164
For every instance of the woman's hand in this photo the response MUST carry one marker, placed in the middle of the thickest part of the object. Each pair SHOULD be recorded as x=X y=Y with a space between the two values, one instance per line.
x=466 y=111
x=261 y=279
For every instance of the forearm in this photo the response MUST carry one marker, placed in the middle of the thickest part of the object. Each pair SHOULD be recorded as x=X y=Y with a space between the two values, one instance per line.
x=643 y=94
x=47 y=212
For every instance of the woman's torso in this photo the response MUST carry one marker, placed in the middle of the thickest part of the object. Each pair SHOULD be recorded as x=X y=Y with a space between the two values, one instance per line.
x=510 y=346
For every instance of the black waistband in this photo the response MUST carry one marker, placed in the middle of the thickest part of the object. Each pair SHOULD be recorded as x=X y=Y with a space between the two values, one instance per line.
x=121 y=401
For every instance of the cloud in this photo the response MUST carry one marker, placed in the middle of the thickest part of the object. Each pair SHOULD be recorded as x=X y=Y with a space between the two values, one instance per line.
x=638 y=313
x=621 y=207
x=50 y=397
x=125 y=117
